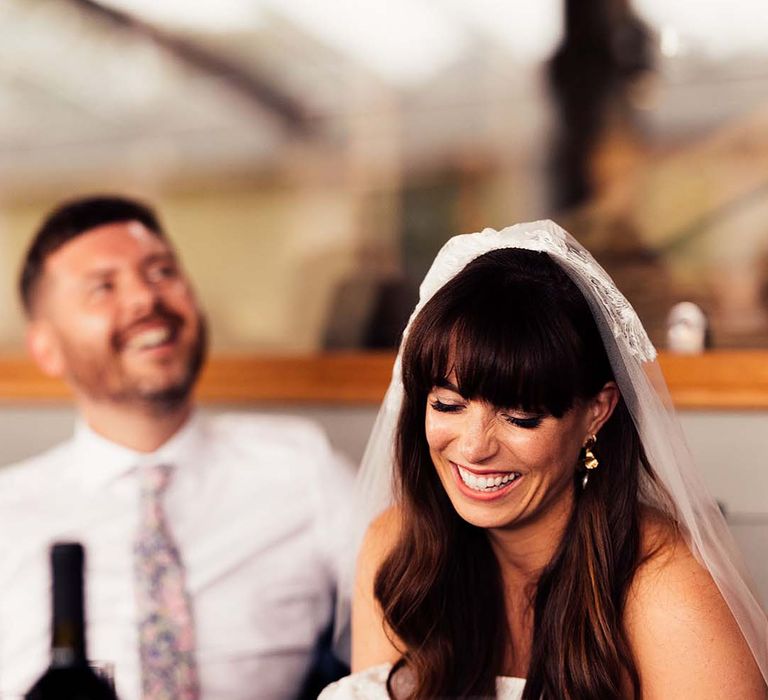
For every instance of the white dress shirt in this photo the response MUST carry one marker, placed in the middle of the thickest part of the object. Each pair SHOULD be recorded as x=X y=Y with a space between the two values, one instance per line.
x=257 y=508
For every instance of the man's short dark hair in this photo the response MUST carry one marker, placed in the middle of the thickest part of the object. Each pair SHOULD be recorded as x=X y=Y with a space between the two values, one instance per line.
x=70 y=220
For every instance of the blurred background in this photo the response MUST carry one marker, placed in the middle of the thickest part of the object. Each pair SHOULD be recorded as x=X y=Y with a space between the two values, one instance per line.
x=309 y=158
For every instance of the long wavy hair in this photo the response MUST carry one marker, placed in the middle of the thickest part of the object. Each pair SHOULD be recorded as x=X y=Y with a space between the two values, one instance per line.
x=515 y=331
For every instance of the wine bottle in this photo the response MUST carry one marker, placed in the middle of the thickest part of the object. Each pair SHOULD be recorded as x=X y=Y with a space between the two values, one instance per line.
x=69 y=677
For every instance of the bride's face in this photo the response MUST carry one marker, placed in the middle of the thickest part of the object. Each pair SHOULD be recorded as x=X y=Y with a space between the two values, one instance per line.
x=502 y=467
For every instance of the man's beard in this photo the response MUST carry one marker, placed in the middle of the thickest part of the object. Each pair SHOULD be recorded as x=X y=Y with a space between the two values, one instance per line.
x=97 y=379
x=171 y=397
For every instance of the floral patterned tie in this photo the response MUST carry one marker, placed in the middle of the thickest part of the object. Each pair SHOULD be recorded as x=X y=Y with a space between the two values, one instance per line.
x=166 y=631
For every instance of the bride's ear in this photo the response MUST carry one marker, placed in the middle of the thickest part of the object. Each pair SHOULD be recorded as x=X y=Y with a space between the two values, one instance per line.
x=601 y=406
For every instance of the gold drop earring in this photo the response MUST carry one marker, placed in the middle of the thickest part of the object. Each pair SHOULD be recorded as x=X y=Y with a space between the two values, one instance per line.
x=589 y=461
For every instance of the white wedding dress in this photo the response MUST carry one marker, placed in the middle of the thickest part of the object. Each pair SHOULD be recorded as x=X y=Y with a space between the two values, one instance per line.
x=371 y=684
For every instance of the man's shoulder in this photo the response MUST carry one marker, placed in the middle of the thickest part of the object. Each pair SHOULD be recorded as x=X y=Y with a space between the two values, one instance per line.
x=260 y=431
x=275 y=439
x=32 y=472
x=279 y=446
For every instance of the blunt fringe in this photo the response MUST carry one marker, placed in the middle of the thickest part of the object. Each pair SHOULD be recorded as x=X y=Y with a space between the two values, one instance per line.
x=513 y=330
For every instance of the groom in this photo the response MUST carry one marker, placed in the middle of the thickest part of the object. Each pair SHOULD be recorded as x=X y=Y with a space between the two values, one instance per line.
x=238 y=517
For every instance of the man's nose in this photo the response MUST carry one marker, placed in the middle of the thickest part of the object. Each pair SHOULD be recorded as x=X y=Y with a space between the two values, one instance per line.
x=478 y=441
x=139 y=297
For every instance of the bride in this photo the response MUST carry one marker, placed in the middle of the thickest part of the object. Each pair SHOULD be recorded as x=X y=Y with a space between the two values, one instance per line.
x=540 y=529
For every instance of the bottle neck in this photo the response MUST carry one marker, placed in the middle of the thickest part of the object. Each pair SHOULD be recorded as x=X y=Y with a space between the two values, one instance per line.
x=67 y=648
x=68 y=623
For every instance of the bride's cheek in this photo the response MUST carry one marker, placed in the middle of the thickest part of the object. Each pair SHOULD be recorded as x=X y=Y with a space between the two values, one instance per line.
x=436 y=432
x=533 y=453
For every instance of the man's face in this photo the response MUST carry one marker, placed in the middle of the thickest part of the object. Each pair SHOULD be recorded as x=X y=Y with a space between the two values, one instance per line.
x=116 y=316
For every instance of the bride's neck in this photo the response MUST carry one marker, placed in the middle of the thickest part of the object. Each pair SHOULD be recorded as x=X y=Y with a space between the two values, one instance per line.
x=524 y=550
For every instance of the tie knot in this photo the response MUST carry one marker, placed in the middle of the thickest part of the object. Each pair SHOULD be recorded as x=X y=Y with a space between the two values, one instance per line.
x=155 y=479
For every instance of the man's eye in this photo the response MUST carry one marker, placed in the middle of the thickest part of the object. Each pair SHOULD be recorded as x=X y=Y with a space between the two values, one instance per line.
x=445 y=407
x=101 y=288
x=162 y=272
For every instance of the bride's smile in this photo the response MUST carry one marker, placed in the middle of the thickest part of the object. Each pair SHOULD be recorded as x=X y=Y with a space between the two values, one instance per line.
x=485 y=485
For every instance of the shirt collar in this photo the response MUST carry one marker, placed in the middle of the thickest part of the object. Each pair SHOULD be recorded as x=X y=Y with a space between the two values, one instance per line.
x=97 y=460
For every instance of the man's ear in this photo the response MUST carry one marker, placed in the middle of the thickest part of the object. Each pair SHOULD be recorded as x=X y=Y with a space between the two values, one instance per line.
x=44 y=347
x=602 y=406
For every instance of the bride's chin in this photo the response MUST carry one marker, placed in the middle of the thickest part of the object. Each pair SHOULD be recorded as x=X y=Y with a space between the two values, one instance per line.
x=485 y=520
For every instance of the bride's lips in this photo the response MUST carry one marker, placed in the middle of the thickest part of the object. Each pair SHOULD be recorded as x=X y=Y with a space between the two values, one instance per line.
x=483 y=495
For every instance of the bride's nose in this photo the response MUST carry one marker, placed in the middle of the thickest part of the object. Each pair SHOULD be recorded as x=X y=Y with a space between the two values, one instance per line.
x=477 y=442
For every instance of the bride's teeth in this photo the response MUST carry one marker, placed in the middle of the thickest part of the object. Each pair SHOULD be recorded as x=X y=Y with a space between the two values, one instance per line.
x=482 y=483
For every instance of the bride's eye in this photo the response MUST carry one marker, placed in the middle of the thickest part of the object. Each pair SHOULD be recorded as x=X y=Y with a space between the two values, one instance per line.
x=442 y=407
x=528 y=422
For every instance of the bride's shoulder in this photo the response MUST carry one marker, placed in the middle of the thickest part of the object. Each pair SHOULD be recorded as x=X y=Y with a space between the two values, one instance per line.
x=373 y=643
x=669 y=579
x=381 y=536
x=370 y=684
x=666 y=562
x=674 y=609
x=389 y=521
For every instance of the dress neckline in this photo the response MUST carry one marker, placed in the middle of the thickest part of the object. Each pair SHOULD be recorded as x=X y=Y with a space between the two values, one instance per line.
x=510 y=682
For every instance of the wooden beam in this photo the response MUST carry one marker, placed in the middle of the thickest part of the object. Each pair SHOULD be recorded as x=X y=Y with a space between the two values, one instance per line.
x=736 y=379
x=732 y=379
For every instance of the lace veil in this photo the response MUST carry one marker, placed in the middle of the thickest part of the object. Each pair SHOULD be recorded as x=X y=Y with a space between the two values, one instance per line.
x=637 y=373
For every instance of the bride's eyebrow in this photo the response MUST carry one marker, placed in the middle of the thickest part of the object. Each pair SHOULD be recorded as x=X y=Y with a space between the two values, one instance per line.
x=445 y=383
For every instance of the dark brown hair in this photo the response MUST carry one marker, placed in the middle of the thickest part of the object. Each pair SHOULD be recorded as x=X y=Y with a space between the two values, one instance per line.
x=515 y=331
x=71 y=219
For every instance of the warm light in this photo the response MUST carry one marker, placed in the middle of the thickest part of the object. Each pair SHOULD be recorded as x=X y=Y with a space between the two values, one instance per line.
x=404 y=41
x=408 y=41
x=670 y=42
x=209 y=16
x=716 y=27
